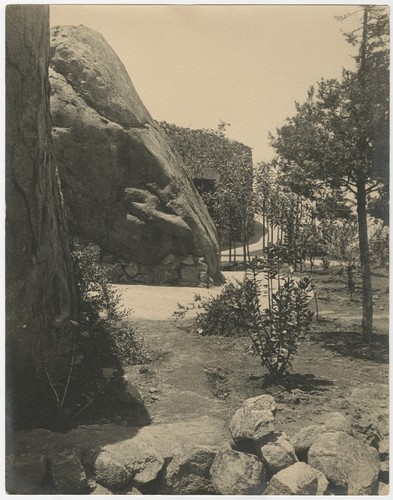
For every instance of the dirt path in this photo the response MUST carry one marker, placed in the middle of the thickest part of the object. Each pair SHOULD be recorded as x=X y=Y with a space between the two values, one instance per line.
x=160 y=302
x=191 y=376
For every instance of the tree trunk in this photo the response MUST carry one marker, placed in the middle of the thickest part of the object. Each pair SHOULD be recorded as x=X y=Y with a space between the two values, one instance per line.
x=367 y=294
x=361 y=199
x=230 y=244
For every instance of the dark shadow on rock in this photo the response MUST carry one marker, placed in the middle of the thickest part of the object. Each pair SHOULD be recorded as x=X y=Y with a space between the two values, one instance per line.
x=353 y=345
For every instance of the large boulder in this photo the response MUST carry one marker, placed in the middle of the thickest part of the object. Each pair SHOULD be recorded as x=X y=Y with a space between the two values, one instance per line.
x=39 y=280
x=67 y=472
x=119 y=458
x=303 y=439
x=125 y=188
x=298 y=479
x=346 y=462
x=235 y=473
x=253 y=422
x=278 y=454
x=369 y=407
x=188 y=471
x=131 y=460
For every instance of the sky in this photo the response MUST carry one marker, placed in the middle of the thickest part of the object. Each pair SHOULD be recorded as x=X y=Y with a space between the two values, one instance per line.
x=245 y=65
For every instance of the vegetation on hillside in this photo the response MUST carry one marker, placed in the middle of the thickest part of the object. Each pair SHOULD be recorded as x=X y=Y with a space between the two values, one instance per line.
x=223 y=174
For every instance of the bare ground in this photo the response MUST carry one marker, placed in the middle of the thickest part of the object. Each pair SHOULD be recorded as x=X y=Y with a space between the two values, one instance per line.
x=190 y=375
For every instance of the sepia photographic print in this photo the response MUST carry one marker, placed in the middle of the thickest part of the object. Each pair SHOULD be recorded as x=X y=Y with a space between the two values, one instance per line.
x=197 y=249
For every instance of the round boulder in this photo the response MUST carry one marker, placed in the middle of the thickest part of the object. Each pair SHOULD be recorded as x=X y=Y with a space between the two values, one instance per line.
x=188 y=472
x=346 y=462
x=298 y=479
x=236 y=473
x=251 y=423
x=278 y=454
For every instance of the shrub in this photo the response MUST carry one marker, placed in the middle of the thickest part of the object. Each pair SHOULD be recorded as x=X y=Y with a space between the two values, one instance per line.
x=217 y=316
x=349 y=278
x=325 y=263
x=100 y=337
x=275 y=330
x=379 y=247
x=100 y=311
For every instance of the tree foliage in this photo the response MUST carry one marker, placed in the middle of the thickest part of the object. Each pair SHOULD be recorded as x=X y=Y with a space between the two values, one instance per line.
x=337 y=138
x=223 y=173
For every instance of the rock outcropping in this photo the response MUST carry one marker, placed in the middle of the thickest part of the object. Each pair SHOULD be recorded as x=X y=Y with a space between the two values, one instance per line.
x=126 y=190
x=39 y=283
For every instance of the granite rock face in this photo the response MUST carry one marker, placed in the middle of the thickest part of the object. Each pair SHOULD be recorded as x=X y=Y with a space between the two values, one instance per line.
x=126 y=190
x=39 y=282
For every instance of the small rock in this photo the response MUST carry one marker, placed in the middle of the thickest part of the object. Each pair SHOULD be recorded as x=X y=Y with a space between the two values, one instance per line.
x=68 y=474
x=188 y=261
x=235 y=473
x=323 y=483
x=383 y=489
x=338 y=422
x=298 y=479
x=384 y=471
x=132 y=269
x=134 y=491
x=105 y=421
x=153 y=389
x=155 y=398
x=298 y=392
x=202 y=266
x=346 y=462
x=100 y=490
x=383 y=447
x=169 y=259
x=278 y=454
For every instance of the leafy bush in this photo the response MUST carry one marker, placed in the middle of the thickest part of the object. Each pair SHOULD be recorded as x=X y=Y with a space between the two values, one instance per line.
x=100 y=311
x=100 y=337
x=349 y=278
x=217 y=316
x=379 y=247
x=275 y=330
